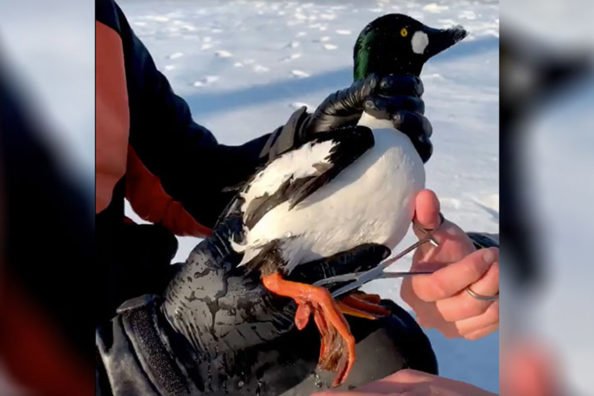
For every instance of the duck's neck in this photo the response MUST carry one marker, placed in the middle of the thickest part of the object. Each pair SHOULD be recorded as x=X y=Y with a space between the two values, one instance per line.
x=375 y=123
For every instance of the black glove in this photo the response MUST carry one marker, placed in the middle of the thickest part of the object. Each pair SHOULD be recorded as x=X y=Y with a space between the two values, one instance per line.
x=484 y=240
x=344 y=107
x=392 y=97
x=221 y=309
x=405 y=110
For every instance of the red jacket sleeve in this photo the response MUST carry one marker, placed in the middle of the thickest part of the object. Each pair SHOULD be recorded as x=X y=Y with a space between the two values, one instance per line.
x=176 y=170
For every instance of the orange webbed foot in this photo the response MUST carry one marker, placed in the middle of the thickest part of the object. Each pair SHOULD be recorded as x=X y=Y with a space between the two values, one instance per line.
x=337 y=347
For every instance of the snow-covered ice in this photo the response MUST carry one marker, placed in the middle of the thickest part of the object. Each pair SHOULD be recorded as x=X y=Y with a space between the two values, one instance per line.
x=223 y=54
x=299 y=73
x=273 y=42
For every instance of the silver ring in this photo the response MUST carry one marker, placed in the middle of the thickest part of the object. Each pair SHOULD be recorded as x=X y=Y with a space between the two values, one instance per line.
x=474 y=294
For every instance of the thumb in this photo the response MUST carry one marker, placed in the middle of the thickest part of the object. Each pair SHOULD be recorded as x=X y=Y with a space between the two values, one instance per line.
x=427 y=209
x=353 y=98
x=360 y=258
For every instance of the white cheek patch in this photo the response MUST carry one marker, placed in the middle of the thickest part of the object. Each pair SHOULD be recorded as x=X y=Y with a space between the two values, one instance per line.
x=419 y=42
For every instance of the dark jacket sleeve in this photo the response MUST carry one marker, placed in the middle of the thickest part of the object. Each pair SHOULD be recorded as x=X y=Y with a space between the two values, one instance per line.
x=188 y=162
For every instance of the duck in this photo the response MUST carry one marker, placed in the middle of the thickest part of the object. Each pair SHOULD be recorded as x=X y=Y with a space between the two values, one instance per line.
x=340 y=190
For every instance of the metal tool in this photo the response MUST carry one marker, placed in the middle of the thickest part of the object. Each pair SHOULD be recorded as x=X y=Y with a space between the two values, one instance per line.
x=358 y=279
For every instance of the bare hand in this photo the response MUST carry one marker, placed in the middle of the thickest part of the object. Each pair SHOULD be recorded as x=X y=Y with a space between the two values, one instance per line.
x=440 y=300
x=413 y=383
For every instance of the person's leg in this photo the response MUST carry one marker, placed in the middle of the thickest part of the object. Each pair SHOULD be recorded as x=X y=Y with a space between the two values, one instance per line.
x=384 y=346
x=284 y=367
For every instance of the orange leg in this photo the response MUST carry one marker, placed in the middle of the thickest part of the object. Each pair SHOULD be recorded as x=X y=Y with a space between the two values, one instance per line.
x=326 y=338
x=361 y=305
x=333 y=327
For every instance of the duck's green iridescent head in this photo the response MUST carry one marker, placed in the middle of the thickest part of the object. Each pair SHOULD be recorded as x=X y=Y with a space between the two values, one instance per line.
x=399 y=44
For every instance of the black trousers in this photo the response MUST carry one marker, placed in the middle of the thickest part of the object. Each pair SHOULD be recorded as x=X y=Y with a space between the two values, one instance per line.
x=136 y=357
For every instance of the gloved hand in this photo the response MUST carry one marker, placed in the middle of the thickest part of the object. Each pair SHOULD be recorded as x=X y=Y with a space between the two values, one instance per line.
x=399 y=102
x=344 y=107
x=396 y=98
x=225 y=317
x=220 y=308
x=393 y=97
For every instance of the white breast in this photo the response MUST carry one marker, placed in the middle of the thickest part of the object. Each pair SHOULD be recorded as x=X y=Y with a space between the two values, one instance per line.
x=370 y=201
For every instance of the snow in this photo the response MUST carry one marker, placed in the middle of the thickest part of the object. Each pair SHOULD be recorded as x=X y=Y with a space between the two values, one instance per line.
x=283 y=55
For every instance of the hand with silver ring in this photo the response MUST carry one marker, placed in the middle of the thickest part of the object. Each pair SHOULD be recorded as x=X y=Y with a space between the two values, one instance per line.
x=474 y=294
x=460 y=299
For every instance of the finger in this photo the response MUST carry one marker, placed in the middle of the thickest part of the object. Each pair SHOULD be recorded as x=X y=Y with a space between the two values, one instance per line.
x=428 y=317
x=400 y=85
x=427 y=210
x=383 y=107
x=408 y=295
x=447 y=329
x=346 y=100
x=453 y=242
x=366 y=87
x=418 y=129
x=477 y=335
x=412 y=124
x=450 y=280
x=453 y=245
x=360 y=258
x=488 y=319
x=488 y=285
x=463 y=305
x=423 y=146
x=426 y=313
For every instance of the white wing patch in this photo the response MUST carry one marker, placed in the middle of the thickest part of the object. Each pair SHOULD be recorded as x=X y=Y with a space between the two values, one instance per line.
x=296 y=163
x=419 y=42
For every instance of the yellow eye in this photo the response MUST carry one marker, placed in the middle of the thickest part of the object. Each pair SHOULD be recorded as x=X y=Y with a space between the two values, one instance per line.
x=404 y=32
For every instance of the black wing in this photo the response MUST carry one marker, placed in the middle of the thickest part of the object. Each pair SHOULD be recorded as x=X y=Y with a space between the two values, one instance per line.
x=350 y=144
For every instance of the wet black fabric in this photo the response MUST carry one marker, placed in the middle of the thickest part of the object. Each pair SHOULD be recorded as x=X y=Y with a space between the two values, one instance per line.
x=138 y=354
